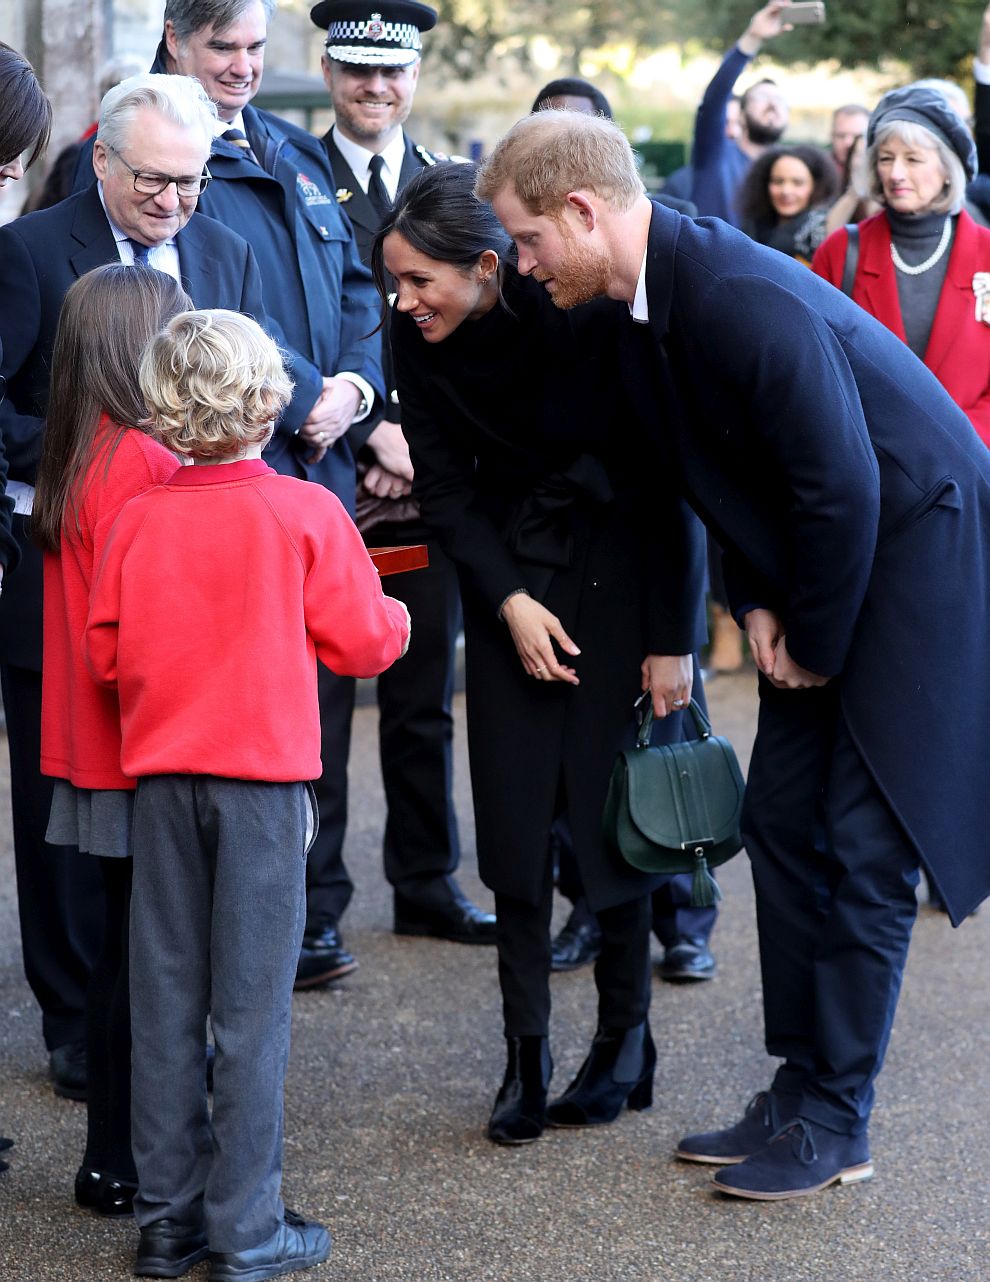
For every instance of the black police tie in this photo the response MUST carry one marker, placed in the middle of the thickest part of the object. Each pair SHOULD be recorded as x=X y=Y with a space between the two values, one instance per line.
x=239 y=139
x=140 y=252
x=376 y=189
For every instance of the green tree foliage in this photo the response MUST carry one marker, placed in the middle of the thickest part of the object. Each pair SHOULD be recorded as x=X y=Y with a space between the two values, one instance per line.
x=934 y=37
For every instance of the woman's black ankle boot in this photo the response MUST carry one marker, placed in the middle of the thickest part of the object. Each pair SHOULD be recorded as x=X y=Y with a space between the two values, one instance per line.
x=518 y=1115
x=619 y=1070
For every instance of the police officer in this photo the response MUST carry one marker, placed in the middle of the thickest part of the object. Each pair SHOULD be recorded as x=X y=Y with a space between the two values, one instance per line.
x=371 y=67
x=272 y=184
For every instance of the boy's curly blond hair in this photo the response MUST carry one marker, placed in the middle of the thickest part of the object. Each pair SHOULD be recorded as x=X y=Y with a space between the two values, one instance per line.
x=214 y=383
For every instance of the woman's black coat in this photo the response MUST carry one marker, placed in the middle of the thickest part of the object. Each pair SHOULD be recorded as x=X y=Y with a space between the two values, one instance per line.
x=532 y=476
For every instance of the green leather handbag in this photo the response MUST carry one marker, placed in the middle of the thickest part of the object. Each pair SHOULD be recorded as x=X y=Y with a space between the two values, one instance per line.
x=676 y=808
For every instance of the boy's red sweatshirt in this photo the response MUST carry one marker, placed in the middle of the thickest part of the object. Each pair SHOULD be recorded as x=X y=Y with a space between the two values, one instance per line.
x=216 y=594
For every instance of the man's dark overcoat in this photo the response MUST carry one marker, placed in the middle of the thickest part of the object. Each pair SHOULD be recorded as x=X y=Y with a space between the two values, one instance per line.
x=853 y=497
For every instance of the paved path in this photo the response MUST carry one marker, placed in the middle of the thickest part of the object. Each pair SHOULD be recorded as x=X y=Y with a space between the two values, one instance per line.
x=392 y=1078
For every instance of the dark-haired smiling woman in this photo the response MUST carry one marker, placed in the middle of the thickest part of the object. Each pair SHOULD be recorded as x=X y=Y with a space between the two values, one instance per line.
x=530 y=477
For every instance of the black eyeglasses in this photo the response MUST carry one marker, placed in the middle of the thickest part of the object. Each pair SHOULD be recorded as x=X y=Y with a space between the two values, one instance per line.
x=155 y=184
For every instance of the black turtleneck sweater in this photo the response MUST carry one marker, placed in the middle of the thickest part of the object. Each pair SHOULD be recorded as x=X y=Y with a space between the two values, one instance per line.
x=916 y=237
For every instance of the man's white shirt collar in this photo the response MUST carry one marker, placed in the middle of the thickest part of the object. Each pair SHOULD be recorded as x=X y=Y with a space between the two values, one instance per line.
x=220 y=127
x=163 y=257
x=359 y=158
x=639 y=310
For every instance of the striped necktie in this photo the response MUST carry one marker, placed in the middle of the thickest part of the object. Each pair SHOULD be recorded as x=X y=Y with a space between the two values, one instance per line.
x=237 y=138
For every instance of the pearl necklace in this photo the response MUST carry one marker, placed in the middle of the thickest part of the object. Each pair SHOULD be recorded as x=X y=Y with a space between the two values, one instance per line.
x=930 y=261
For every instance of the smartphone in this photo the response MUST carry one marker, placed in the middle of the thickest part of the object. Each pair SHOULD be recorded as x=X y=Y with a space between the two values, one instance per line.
x=805 y=13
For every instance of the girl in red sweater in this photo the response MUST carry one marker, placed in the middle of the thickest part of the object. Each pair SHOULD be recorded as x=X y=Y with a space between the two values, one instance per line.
x=93 y=460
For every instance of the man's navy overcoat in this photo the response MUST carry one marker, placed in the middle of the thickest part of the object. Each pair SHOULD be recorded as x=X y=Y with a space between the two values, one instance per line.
x=853 y=497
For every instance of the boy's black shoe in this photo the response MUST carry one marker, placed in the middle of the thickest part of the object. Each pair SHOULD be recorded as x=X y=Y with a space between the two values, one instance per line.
x=295 y=1244
x=168 y=1249
x=323 y=958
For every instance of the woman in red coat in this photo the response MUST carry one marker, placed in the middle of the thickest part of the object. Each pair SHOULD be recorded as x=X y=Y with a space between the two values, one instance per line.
x=923 y=265
x=93 y=459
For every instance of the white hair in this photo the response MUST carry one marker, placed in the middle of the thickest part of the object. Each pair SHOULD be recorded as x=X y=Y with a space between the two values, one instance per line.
x=915 y=135
x=181 y=99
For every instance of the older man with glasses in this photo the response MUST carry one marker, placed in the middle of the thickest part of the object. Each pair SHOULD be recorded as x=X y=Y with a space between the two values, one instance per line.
x=154 y=137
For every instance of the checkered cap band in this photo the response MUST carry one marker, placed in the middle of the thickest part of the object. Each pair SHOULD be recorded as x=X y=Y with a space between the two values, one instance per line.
x=400 y=35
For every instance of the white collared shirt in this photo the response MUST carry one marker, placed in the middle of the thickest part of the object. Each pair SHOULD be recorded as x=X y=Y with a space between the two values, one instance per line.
x=220 y=127
x=163 y=257
x=639 y=309
x=359 y=158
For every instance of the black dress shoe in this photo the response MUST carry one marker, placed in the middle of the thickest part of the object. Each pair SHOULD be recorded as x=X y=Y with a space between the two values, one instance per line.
x=295 y=1244
x=439 y=909
x=323 y=958
x=519 y=1113
x=68 y=1069
x=104 y=1194
x=688 y=959
x=169 y=1249
x=4 y=1145
x=619 y=1070
x=577 y=944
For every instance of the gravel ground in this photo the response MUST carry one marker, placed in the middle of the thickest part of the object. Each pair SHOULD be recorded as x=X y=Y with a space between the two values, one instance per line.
x=393 y=1074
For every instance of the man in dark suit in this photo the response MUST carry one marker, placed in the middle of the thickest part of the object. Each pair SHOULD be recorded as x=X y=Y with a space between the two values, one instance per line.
x=153 y=135
x=272 y=184
x=841 y=481
x=371 y=68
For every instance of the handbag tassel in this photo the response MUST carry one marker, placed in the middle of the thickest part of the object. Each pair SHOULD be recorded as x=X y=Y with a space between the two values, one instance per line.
x=704 y=888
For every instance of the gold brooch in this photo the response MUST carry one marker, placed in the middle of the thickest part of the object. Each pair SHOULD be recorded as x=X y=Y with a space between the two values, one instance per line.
x=343 y=195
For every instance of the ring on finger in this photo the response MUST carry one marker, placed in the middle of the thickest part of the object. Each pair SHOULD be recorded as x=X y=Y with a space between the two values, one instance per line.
x=678 y=703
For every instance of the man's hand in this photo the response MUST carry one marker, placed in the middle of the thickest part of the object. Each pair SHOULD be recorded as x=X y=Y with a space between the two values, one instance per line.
x=669 y=678
x=384 y=484
x=331 y=416
x=788 y=675
x=391 y=449
x=765 y=24
x=764 y=631
x=769 y=648
x=534 y=630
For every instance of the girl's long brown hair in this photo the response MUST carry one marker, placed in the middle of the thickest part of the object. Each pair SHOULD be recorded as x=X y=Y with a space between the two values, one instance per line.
x=107 y=319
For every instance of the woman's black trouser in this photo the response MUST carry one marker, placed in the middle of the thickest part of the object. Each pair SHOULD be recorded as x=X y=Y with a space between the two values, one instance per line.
x=622 y=972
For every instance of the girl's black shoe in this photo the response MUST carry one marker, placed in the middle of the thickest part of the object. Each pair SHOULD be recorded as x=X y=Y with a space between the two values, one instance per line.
x=104 y=1194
